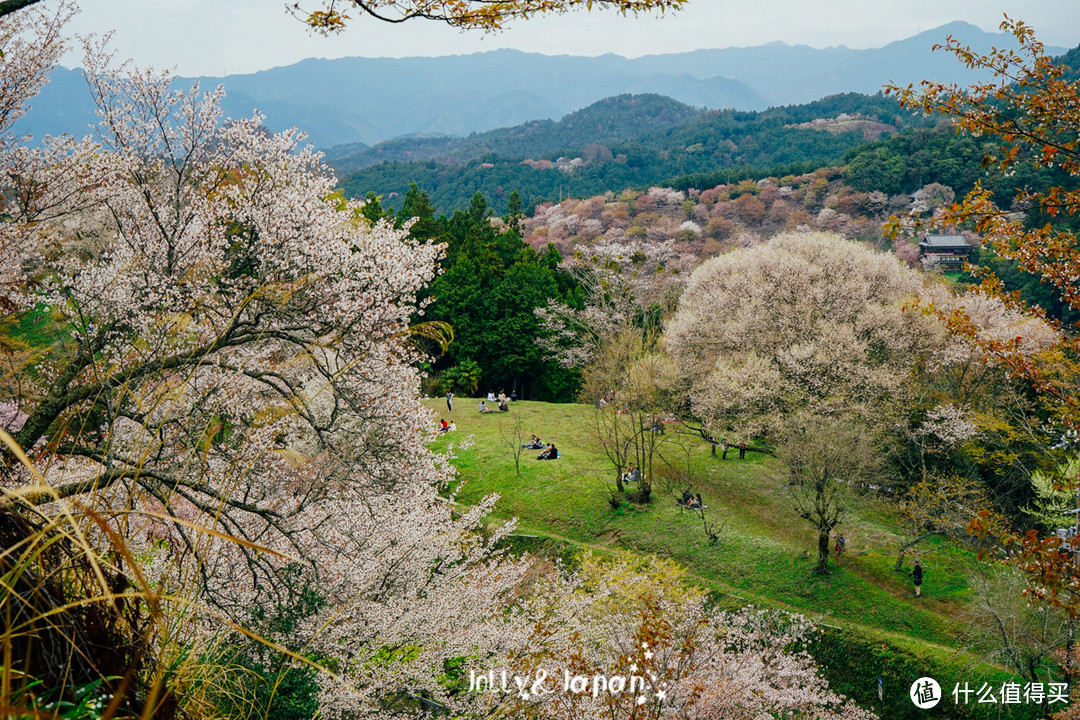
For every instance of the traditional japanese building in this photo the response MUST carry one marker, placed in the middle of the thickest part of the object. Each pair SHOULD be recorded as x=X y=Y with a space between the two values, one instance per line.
x=950 y=250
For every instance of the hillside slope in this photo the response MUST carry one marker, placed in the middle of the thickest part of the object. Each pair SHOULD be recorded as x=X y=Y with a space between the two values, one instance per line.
x=760 y=556
x=584 y=153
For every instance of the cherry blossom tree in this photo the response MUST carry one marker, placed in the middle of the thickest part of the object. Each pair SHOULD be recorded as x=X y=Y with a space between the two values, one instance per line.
x=31 y=44
x=630 y=287
x=629 y=283
x=232 y=387
x=804 y=320
x=630 y=382
x=633 y=618
x=825 y=460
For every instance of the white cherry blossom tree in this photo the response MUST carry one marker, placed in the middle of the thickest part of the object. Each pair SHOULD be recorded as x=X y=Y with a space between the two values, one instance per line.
x=806 y=320
x=231 y=384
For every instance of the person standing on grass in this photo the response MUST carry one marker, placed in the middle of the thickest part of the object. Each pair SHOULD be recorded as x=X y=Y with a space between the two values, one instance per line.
x=841 y=546
x=449 y=401
x=916 y=577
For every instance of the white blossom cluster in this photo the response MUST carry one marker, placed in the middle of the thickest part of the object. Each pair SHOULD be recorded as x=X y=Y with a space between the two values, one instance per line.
x=804 y=320
x=632 y=618
x=1012 y=331
x=237 y=387
x=948 y=425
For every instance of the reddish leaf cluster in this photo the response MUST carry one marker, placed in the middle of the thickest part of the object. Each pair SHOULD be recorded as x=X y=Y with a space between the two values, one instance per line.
x=1034 y=111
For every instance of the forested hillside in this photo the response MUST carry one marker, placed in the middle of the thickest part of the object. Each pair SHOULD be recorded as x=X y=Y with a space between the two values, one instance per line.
x=499 y=270
x=624 y=143
x=613 y=120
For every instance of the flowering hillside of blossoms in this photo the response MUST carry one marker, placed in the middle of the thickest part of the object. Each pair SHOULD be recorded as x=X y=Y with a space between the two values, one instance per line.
x=703 y=223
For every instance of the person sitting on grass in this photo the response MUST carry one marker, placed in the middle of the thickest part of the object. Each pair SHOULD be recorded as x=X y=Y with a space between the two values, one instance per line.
x=503 y=407
x=483 y=407
x=551 y=453
x=632 y=474
x=444 y=426
x=533 y=444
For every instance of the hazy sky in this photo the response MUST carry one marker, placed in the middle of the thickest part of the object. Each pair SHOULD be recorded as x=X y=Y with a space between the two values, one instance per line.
x=216 y=37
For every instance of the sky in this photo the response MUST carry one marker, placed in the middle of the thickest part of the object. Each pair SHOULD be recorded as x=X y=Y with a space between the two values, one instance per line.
x=220 y=37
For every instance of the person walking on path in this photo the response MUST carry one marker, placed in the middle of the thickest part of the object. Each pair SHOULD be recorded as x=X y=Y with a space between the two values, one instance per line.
x=450 y=402
x=916 y=577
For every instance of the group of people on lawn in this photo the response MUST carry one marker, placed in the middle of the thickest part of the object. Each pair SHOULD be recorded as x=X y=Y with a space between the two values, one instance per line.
x=550 y=451
x=691 y=500
x=502 y=399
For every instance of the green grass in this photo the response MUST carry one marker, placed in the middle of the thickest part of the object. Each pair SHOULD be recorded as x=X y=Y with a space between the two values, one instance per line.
x=761 y=551
x=37 y=327
x=766 y=553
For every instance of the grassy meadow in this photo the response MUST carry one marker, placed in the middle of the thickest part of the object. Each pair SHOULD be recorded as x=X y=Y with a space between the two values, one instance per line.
x=765 y=554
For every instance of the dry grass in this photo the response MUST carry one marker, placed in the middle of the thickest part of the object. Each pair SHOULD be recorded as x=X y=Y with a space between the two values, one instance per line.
x=86 y=634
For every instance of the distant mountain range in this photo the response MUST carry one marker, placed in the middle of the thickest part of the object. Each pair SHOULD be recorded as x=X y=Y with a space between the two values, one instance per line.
x=369 y=100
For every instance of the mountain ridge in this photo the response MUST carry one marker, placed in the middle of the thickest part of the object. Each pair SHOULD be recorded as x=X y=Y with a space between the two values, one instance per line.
x=368 y=100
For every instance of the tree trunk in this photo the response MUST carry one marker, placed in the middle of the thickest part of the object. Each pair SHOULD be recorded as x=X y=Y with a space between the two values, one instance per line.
x=646 y=476
x=1070 y=650
x=822 y=550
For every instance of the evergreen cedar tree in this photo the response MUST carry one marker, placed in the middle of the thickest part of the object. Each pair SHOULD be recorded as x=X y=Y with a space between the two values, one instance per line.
x=491 y=283
x=1032 y=109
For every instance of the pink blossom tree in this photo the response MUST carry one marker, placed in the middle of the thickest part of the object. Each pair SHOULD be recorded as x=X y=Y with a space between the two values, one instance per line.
x=233 y=389
x=639 y=618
